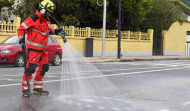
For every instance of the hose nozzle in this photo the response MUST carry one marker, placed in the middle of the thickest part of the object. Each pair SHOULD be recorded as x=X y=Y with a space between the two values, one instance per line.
x=63 y=36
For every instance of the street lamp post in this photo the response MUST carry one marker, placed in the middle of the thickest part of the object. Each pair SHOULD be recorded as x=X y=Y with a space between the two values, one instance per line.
x=104 y=30
x=119 y=31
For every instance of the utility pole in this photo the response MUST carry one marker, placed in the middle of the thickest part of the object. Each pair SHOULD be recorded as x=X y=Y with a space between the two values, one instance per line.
x=104 y=30
x=119 y=31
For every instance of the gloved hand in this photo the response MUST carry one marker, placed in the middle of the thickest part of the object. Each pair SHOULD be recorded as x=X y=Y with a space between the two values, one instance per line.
x=63 y=32
x=56 y=31
x=22 y=46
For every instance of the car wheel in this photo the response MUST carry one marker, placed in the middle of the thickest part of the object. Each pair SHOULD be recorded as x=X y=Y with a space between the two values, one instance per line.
x=56 y=59
x=19 y=60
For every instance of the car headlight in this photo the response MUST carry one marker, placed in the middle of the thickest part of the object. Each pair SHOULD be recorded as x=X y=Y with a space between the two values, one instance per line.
x=5 y=51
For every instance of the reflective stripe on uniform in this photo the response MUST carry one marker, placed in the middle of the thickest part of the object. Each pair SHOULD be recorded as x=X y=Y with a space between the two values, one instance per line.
x=20 y=37
x=25 y=82
x=46 y=34
x=37 y=86
x=38 y=82
x=35 y=44
x=25 y=87
x=24 y=25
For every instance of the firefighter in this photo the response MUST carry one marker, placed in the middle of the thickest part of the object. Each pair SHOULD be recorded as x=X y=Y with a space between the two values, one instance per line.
x=38 y=28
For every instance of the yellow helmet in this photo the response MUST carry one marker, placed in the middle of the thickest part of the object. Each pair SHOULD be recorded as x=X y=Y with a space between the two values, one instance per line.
x=47 y=5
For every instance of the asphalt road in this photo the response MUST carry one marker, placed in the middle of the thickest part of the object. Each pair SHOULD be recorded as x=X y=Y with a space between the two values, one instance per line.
x=141 y=86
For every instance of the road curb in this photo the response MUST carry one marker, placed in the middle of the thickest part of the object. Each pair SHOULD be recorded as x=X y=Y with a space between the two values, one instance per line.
x=137 y=59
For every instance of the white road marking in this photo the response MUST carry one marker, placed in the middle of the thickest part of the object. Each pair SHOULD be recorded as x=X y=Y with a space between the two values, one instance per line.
x=3 y=79
x=128 y=109
x=51 y=76
x=98 y=76
x=7 y=85
x=116 y=109
x=13 y=79
x=81 y=72
x=12 y=75
x=167 y=65
x=69 y=102
x=88 y=100
x=78 y=104
x=186 y=103
x=88 y=106
x=163 y=110
x=138 y=63
x=101 y=107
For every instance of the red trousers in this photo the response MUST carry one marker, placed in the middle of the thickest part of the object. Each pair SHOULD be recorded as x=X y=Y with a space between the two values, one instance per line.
x=35 y=59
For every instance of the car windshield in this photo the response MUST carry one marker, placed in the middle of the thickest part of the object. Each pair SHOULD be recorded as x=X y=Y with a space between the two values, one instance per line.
x=11 y=40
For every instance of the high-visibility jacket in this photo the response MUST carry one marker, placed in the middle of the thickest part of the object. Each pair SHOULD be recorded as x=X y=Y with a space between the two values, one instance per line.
x=38 y=28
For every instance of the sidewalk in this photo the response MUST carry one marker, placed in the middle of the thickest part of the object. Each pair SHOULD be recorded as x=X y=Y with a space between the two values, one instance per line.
x=136 y=58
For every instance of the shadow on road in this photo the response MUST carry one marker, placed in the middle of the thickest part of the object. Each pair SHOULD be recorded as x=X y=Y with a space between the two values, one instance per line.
x=7 y=66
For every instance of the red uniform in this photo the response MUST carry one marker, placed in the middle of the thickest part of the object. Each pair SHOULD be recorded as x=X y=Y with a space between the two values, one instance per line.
x=38 y=28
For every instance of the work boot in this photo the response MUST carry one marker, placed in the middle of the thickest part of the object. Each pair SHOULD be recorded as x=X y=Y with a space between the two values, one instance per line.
x=40 y=91
x=26 y=93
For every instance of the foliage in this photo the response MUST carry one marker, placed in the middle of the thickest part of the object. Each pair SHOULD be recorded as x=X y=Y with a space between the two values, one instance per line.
x=87 y=13
x=25 y=9
x=135 y=12
x=81 y=13
x=5 y=3
x=4 y=15
x=182 y=20
x=163 y=14
x=4 y=0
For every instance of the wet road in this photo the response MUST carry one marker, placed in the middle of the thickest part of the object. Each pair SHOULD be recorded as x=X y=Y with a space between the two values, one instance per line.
x=143 y=86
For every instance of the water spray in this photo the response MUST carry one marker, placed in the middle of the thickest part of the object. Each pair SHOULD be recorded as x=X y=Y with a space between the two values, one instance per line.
x=63 y=33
